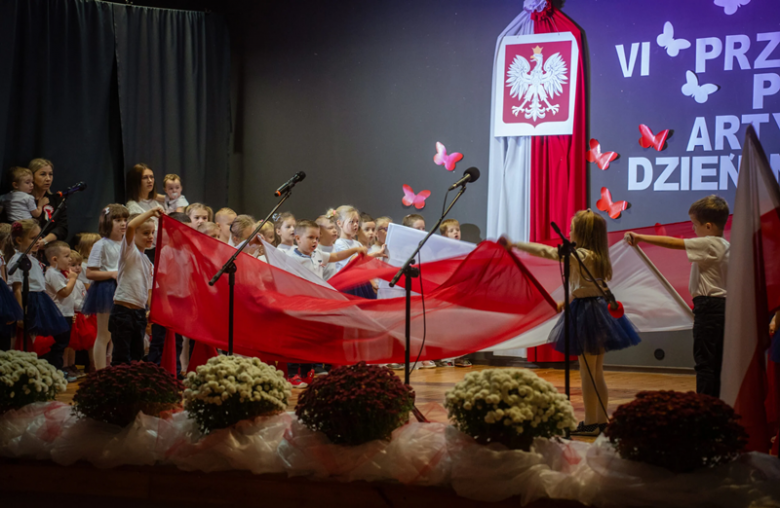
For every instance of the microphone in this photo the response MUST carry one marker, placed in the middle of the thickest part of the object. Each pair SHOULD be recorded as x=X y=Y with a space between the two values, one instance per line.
x=556 y=229
x=470 y=175
x=289 y=184
x=72 y=189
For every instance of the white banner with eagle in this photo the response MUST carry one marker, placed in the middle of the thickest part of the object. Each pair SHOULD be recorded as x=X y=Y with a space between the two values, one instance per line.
x=535 y=85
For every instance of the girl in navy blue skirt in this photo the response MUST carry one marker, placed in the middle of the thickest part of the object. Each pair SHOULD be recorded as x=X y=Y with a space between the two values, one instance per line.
x=592 y=330
x=102 y=269
x=42 y=316
x=10 y=311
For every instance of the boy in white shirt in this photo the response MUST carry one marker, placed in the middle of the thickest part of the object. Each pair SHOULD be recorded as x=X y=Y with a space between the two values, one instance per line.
x=709 y=255
x=60 y=282
x=307 y=237
x=127 y=323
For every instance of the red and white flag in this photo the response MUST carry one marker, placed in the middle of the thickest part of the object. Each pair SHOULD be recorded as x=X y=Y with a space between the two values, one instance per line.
x=753 y=292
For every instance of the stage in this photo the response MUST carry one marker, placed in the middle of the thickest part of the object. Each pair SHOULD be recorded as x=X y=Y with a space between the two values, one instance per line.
x=85 y=485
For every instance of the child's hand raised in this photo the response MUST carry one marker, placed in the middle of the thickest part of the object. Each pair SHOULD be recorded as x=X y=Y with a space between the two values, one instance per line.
x=155 y=212
x=72 y=275
x=381 y=253
x=361 y=250
x=505 y=243
x=632 y=238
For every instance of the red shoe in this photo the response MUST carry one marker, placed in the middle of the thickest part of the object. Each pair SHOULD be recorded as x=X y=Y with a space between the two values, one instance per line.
x=297 y=382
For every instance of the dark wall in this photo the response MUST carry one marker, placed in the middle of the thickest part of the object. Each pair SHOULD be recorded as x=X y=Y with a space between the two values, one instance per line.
x=356 y=94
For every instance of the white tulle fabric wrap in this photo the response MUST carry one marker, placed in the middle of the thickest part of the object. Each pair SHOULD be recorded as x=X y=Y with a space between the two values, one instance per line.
x=417 y=454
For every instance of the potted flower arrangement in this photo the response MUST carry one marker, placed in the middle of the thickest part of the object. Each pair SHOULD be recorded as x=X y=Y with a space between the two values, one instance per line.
x=677 y=431
x=25 y=379
x=229 y=389
x=115 y=395
x=508 y=406
x=356 y=404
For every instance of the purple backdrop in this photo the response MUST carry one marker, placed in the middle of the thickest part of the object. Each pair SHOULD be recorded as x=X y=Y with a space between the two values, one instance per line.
x=623 y=96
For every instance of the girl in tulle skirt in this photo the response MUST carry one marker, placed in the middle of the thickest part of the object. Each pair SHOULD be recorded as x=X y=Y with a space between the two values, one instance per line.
x=10 y=311
x=592 y=330
x=43 y=317
x=102 y=268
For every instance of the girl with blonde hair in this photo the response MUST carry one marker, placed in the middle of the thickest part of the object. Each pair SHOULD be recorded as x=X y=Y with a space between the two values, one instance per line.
x=592 y=330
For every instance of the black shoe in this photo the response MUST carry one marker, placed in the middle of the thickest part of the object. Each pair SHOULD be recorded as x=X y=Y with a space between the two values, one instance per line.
x=462 y=362
x=586 y=430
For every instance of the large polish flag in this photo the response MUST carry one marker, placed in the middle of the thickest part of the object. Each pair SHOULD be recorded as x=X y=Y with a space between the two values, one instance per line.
x=753 y=292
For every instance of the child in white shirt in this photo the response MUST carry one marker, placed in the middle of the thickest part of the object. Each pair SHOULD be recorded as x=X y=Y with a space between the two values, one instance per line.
x=42 y=317
x=84 y=330
x=19 y=204
x=102 y=270
x=307 y=236
x=709 y=257
x=60 y=285
x=348 y=222
x=127 y=323
x=285 y=231
x=174 y=199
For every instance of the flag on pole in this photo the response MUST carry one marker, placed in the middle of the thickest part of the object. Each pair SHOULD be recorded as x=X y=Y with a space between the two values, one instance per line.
x=753 y=286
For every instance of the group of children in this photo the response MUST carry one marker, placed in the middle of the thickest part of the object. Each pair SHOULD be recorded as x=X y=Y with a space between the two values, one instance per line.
x=95 y=296
x=100 y=304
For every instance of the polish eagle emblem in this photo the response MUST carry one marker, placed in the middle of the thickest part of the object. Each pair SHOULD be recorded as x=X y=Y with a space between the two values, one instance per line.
x=538 y=86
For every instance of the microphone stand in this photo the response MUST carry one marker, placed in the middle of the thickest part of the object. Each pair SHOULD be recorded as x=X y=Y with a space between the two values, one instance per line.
x=230 y=268
x=25 y=264
x=410 y=272
x=565 y=250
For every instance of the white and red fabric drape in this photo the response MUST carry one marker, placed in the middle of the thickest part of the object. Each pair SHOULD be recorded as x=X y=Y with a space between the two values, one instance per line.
x=753 y=294
x=541 y=179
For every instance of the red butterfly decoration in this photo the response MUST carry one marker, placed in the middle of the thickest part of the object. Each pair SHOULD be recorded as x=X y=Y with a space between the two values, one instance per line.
x=649 y=139
x=442 y=159
x=418 y=200
x=605 y=204
x=602 y=160
x=660 y=229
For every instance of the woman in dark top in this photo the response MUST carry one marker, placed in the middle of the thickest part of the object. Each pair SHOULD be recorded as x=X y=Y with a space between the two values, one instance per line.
x=43 y=176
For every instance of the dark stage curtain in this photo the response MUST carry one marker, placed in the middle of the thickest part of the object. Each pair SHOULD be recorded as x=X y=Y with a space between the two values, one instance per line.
x=174 y=95
x=96 y=87
x=55 y=97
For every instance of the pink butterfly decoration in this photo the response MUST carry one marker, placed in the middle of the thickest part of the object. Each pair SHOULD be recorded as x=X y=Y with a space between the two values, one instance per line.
x=418 y=200
x=605 y=204
x=602 y=159
x=442 y=159
x=649 y=139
